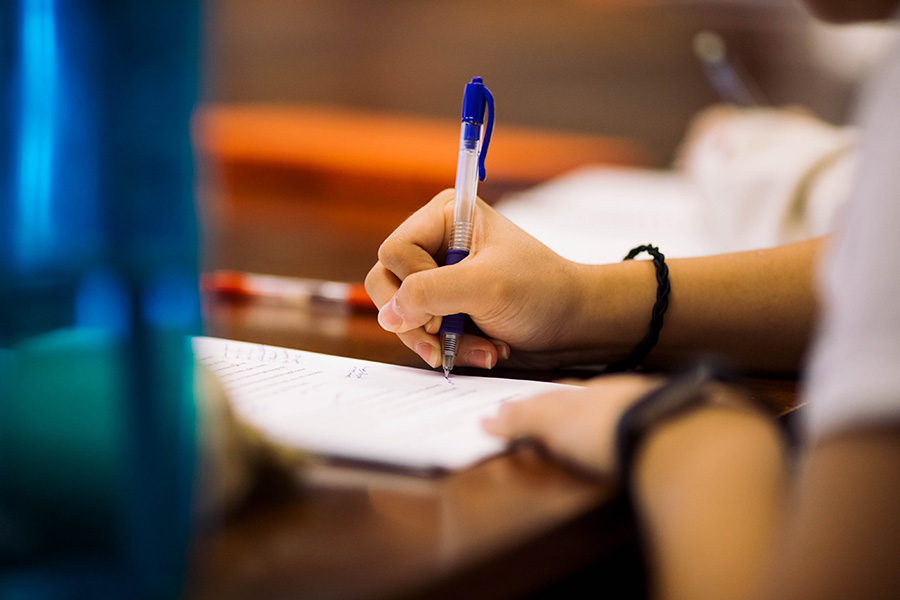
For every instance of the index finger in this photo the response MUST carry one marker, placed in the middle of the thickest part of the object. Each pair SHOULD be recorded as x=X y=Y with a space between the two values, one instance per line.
x=414 y=244
x=532 y=417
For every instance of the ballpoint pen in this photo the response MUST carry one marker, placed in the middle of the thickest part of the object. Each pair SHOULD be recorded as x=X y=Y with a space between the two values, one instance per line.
x=469 y=170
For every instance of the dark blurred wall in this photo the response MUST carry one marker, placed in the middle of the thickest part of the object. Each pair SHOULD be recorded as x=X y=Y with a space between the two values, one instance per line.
x=623 y=67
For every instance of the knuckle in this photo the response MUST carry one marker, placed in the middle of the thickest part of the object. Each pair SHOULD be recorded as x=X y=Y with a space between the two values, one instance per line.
x=373 y=278
x=414 y=294
x=389 y=253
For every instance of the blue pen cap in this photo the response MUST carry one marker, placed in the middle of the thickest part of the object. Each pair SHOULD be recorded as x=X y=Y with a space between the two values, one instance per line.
x=476 y=99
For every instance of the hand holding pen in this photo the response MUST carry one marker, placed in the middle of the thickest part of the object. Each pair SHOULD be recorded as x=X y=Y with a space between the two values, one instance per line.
x=519 y=293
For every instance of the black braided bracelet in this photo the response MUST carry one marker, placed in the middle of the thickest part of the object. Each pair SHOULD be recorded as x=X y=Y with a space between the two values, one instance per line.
x=656 y=317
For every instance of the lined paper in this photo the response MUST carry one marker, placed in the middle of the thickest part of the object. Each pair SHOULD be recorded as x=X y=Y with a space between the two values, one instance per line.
x=361 y=410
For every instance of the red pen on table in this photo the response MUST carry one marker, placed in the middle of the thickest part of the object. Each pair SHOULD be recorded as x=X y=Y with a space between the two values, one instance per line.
x=288 y=290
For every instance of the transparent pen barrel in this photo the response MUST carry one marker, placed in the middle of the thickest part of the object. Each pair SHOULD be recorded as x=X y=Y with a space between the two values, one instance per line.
x=465 y=191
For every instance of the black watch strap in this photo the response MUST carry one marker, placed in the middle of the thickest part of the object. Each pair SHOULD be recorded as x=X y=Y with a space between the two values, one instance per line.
x=675 y=396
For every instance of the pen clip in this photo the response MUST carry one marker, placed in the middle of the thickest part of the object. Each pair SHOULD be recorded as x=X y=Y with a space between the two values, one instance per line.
x=475 y=99
x=488 y=128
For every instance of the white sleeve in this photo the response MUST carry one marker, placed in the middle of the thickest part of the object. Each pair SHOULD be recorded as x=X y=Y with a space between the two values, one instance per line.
x=854 y=371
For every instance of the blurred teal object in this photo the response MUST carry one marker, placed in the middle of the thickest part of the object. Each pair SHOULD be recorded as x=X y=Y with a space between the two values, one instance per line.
x=98 y=297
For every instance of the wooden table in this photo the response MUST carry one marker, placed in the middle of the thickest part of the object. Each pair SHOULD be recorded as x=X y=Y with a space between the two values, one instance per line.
x=518 y=525
x=505 y=528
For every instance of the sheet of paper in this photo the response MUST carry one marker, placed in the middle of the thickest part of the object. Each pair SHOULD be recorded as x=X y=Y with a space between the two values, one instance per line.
x=361 y=410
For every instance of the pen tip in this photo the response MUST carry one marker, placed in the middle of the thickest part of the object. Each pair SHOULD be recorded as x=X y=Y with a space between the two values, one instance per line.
x=449 y=360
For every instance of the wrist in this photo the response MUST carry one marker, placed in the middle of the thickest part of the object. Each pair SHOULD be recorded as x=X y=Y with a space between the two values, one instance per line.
x=613 y=307
x=719 y=433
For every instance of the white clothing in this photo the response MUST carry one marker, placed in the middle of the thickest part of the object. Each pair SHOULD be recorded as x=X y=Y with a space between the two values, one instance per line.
x=854 y=371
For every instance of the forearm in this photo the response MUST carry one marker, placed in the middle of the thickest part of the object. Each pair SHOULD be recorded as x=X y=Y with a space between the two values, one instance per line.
x=719 y=521
x=708 y=490
x=843 y=537
x=756 y=307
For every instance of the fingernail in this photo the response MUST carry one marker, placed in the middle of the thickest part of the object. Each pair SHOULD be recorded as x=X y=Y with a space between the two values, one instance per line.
x=426 y=351
x=388 y=317
x=479 y=358
x=503 y=349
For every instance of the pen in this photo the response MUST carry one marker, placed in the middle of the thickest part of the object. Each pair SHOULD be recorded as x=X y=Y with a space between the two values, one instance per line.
x=469 y=170
x=287 y=290
x=726 y=76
